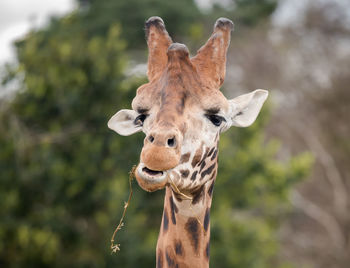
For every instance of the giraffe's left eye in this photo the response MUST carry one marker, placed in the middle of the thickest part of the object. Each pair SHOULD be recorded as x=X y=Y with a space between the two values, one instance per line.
x=215 y=119
x=140 y=119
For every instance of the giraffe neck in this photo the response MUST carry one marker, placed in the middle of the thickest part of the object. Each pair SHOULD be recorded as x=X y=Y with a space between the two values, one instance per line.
x=185 y=230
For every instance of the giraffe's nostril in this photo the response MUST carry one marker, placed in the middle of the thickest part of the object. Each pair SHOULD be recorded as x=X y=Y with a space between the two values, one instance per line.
x=151 y=138
x=171 y=142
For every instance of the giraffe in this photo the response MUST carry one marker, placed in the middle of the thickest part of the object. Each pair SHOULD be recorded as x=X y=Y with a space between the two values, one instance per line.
x=182 y=112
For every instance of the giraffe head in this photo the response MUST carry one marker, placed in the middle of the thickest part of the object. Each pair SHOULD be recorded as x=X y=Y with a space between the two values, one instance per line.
x=181 y=110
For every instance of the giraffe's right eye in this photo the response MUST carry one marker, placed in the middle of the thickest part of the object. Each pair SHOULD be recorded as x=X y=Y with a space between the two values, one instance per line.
x=140 y=119
x=215 y=119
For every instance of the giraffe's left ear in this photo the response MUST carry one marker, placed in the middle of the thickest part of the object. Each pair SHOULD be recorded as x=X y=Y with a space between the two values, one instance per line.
x=124 y=122
x=245 y=108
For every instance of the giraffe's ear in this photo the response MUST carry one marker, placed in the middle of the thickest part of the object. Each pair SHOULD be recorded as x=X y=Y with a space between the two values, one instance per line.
x=124 y=122
x=245 y=108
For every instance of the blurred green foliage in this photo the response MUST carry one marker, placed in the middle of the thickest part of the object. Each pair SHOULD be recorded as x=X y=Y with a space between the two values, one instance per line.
x=59 y=163
x=64 y=175
x=180 y=17
x=250 y=12
x=251 y=197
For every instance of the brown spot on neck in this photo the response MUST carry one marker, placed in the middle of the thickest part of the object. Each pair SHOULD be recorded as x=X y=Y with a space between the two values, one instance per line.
x=198 y=195
x=165 y=220
x=202 y=166
x=208 y=170
x=193 y=231
x=184 y=158
x=194 y=175
x=211 y=151
x=178 y=248
x=197 y=157
x=160 y=260
x=211 y=188
x=207 y=251
x=184 y=173
x=214 y=155
x=202 y=162
x=206 y=219
x=173 y=209
x=170 y=258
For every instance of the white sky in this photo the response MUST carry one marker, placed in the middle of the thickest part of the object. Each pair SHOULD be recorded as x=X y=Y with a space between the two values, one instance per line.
x=18 y=16
x=292 y=12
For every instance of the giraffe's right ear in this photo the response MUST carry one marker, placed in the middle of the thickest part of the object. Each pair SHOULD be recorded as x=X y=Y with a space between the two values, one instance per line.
x=245 y=108
x=124 y=122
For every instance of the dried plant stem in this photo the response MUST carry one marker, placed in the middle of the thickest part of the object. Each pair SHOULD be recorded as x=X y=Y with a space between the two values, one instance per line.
x=178 y=191
x=186 y=197
x=116 y=247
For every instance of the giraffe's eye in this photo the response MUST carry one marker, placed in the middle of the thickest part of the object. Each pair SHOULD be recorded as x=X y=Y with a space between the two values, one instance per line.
x=215 y=119
x=140 y=119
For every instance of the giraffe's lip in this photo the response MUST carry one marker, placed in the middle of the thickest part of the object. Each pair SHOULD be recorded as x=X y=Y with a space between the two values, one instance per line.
x=151 y=176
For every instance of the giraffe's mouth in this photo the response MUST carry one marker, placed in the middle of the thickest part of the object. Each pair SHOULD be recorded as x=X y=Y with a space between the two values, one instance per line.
x=151 y=176
x=151 y=172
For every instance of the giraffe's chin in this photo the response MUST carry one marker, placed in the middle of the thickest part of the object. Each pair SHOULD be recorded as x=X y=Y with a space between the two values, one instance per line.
x=150 y=180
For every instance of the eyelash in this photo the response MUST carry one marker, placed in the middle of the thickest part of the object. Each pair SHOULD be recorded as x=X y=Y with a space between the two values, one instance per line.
x=140 y=119
x=215 y=119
